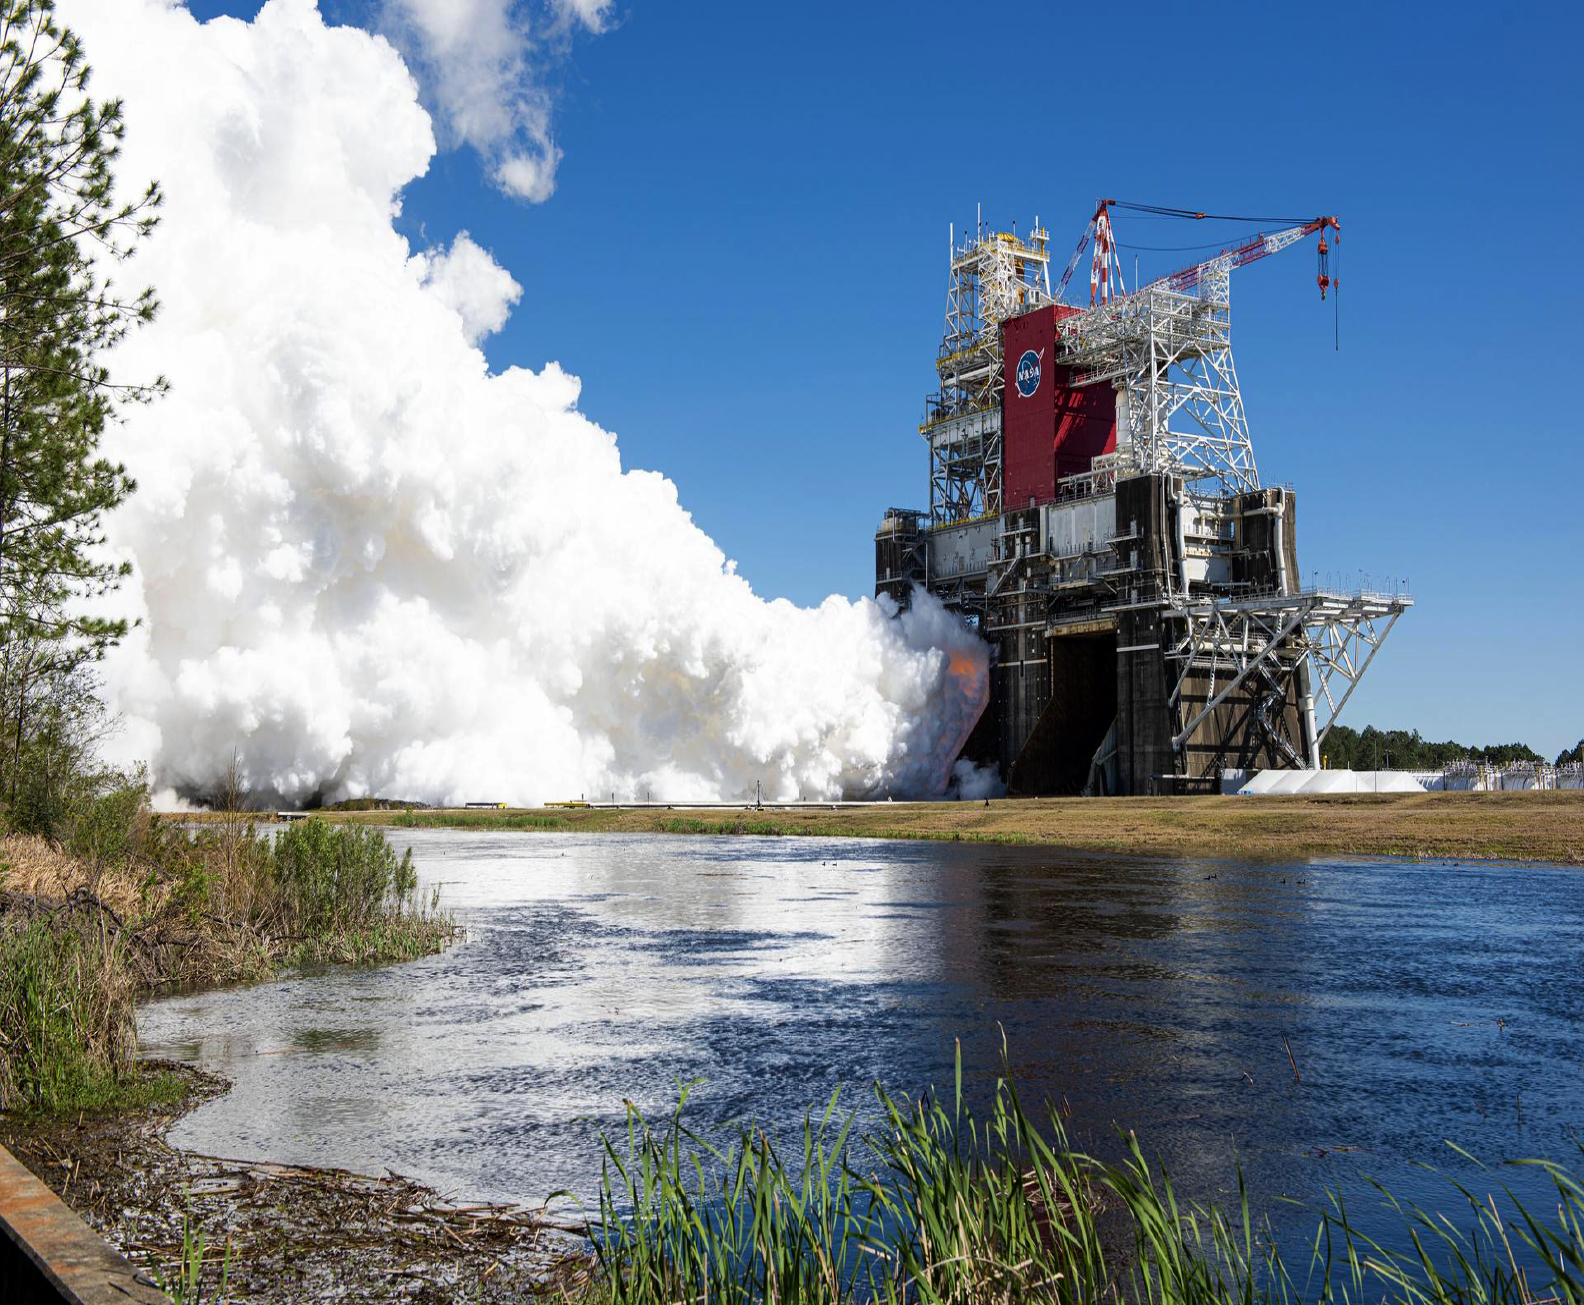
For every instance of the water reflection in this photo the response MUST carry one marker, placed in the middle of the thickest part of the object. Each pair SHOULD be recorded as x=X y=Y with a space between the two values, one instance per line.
x=1420 y=1002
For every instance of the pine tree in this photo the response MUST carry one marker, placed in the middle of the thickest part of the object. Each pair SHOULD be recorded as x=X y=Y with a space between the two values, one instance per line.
x=60 y=227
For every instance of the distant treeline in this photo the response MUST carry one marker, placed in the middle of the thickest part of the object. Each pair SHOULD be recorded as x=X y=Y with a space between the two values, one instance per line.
x=1373 y=749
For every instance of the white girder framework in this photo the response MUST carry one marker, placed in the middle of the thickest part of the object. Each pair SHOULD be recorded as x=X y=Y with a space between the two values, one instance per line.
x=994 y=275
x=1258 y=645
x=1169 y=353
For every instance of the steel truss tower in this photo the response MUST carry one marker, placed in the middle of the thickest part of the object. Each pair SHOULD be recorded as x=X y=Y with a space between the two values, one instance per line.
x=1111 y=536
x=994 y=275
x=1168 y=353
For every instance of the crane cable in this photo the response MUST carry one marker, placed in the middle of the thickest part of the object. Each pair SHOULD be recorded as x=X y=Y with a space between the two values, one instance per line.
x=1196 y=216
x=1336 y=305
x=1174 y=249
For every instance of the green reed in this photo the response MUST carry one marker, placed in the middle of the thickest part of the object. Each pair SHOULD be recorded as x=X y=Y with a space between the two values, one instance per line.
x=66 y=1016
x=939 y=1206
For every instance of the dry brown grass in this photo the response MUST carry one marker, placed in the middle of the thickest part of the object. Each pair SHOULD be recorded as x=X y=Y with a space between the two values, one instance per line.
x=34 y=867
x=159 y=944
x=1505 y=826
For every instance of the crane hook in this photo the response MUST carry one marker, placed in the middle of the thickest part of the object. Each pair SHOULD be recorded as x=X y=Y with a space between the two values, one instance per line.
x=1323 y=280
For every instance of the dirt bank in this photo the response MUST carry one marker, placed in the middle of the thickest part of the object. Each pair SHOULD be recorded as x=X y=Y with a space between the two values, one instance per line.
x=284 y=1233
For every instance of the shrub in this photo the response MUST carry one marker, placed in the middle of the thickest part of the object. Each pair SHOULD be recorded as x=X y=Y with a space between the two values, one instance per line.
x=338 y=877
x=108 y=829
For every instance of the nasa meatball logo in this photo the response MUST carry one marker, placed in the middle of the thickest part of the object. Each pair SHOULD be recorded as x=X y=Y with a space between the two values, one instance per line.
x=1028 y=373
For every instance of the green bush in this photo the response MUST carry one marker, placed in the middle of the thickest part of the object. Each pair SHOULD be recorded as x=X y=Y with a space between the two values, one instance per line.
x=38 y=804
x=106 y=829
x=338 y=877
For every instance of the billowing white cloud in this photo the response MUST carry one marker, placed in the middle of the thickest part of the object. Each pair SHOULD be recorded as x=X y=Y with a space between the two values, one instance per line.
x=595 y=15
x=530 y=174
x=365 y=563
x=477 y=62
x=465 y=278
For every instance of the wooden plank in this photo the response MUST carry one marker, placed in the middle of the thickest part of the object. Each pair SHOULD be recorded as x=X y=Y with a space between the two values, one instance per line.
x=48 y=1254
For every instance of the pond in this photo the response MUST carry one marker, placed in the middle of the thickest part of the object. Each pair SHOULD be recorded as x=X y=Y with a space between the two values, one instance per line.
x=1316 y=1021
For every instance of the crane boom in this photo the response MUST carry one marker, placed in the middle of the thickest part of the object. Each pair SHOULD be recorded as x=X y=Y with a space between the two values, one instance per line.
x=1188 y=278
x=1261 y=246
x=1166 y=350
x=1083 y=244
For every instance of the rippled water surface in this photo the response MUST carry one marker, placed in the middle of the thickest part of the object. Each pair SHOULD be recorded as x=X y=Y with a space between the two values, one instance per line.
x=1422 y=1002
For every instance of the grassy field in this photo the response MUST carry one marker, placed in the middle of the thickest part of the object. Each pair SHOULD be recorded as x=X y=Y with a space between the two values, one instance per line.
x=1515 y=826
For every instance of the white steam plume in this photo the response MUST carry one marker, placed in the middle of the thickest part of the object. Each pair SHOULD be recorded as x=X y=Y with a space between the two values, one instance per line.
x=367 y=565
x=467 y=279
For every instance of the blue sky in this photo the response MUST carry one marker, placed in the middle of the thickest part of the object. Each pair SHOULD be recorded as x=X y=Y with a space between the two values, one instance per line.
x=744 y=261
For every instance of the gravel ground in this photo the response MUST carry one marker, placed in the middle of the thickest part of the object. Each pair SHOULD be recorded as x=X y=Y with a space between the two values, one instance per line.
x=287 y=1233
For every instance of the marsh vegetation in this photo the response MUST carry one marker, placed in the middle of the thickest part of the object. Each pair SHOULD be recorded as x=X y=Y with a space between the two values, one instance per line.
x=942 y=1208
x=121 y=903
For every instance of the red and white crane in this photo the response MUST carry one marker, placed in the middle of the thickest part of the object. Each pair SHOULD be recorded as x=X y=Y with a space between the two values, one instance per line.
x=1105 y=270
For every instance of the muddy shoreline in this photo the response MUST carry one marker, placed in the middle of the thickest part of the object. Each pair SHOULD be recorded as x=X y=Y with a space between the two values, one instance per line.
x=288 y=1233
x=91 y=940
